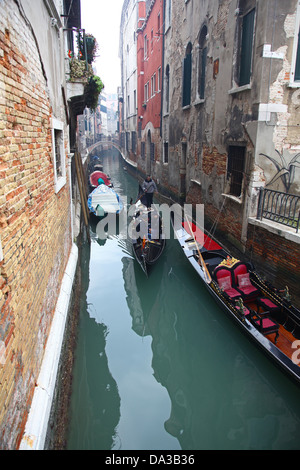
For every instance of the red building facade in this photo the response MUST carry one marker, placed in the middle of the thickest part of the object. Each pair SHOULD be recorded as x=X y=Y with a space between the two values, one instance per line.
x=149 y=83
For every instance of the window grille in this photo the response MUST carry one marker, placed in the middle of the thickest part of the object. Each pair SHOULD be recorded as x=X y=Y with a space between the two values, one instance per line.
x=235 y=169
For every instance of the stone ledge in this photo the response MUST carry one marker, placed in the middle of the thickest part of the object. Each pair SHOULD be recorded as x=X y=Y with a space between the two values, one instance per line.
x=278 y=229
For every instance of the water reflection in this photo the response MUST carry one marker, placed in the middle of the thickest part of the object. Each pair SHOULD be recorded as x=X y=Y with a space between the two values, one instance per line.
x=95 y=405
x=160 y=366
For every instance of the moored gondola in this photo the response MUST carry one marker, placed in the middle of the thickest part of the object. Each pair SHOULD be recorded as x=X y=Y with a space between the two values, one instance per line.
x=147 y=235
x=104 y=200
x=264 y=313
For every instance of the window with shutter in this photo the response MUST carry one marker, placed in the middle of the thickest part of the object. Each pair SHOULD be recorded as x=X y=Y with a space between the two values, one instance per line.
x=246 y=48
x=187 y=77
x=297 y=67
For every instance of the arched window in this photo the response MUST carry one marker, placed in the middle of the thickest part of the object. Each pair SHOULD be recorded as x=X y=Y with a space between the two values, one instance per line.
x=187 y=76
x=202 y=62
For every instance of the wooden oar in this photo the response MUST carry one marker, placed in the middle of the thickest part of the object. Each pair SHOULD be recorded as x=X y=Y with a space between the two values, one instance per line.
x=140 y=197
x=203 y=265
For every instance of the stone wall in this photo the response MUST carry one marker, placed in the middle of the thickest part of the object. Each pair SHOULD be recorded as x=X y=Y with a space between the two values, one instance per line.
x=34 y=221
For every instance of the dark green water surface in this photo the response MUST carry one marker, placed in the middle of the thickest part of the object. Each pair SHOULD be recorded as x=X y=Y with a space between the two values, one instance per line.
x=159 y=366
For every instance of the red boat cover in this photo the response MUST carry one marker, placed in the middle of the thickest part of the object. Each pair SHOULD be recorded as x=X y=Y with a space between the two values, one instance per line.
x=209 y=243
x=96 y=175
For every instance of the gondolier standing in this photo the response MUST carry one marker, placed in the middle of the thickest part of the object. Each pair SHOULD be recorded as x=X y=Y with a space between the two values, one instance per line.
x=149 y=188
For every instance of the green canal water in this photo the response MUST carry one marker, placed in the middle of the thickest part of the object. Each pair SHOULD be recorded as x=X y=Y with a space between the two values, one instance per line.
x=159 y=366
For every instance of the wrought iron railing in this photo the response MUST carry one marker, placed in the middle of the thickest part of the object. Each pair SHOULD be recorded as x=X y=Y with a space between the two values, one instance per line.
x=279 y=207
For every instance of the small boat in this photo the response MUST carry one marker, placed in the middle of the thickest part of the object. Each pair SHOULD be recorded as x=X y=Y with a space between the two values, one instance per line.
x=264 y=313
x=104 y=200
x=95 y=176
x=148 y=240
x=94 y=164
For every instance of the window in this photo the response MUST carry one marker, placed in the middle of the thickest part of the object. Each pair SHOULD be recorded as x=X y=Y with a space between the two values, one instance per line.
x=146 y=92
x=153 y=85
x=295 y=68
x=166 y=152
x=151 y=40
x=143 y=150
x=152 y=150
x=159 y=79
x=247 y=34
x=168 y=14
x=58 y=151
x=133 y=141
x=145 y=46
x=127 y=141
x=187 y=76
x=202 y=63
x=167 y=89
x=235 y=169
x=158 y=25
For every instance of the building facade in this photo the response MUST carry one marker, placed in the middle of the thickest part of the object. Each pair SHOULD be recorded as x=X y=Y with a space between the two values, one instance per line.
x=128 y=55
x=229 y=129
x=35 y=201
x=149 y=67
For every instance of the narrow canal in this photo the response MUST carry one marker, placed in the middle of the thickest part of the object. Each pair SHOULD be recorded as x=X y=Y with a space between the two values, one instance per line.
x=158 y=364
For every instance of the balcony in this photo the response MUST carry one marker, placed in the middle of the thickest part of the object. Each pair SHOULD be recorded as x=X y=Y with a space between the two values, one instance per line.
x=80 y=54
x=283 y=208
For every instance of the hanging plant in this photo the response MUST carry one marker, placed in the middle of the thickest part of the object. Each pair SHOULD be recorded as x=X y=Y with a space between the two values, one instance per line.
x=92 y=91
x=91 y=47
x=78 y=70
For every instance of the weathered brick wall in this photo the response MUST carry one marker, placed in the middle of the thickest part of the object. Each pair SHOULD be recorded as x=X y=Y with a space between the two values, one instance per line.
x=277 y=258
x=34 y=222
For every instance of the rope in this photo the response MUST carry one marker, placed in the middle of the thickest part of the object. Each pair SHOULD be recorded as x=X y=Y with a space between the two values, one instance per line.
x=214 y=225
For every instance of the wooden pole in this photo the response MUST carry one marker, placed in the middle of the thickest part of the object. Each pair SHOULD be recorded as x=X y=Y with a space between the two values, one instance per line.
x=203 y=265
x=83 y=197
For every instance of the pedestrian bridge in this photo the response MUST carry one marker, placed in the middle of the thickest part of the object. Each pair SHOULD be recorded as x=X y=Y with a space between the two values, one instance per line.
x=107 y=144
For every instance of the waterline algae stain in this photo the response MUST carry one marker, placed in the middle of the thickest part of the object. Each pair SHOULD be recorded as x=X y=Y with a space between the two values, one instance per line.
x=158 y=365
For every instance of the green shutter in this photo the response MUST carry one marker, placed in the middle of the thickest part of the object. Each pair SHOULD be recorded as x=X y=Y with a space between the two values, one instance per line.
x=246 y=48
x=203 y=68
x=187 y=77
x=297 y=68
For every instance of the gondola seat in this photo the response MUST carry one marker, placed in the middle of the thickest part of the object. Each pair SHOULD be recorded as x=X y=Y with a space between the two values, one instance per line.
x=224 y=280
x=267 y=304
x=266 y=325
x=243 y=283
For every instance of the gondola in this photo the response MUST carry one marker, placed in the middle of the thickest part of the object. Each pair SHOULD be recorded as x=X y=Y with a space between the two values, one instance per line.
x=264 y=313
x=148 y=240
x=104 y=200
x=95 y=176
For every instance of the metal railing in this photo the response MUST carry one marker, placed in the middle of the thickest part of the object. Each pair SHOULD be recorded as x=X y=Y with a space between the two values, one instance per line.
x=279 y=207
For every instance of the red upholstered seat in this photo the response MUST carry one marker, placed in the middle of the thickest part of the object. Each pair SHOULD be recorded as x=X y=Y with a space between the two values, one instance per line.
x=266 y=326
x=267 y=304
x=242 y=281
x=225 y=283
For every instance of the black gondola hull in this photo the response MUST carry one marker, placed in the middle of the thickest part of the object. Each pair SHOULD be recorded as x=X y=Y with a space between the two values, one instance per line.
x=267 y=346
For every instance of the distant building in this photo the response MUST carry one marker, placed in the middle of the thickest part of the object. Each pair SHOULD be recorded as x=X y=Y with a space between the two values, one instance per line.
x=149 y=67
x=128 y=55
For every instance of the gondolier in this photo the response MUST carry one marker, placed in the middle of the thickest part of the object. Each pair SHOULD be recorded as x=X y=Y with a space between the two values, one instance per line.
x=149 y=188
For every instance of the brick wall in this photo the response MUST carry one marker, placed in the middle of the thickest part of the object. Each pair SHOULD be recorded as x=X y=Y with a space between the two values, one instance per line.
x=277 y=258
x=34 y=222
